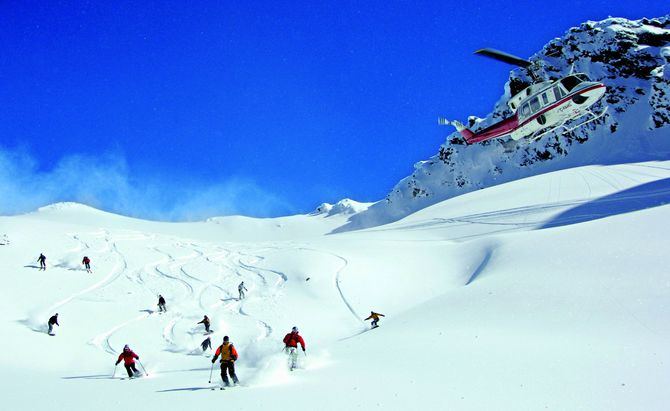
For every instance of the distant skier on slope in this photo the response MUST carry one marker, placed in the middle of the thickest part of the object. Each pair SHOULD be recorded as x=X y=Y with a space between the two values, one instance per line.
x=161 y=303
x=129 y=357
x=241 y=289
x=206 y=344
x=53 y=320
x=43 y=261
x=375 y=318
x=228 y=357
x=87 y=263
x=205 y=321
x=291 y=341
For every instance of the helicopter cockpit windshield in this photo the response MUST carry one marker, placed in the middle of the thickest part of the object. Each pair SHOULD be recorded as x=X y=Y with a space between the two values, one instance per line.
x=571 y=82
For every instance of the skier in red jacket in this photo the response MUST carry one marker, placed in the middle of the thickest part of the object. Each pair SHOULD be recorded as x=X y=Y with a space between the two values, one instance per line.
x=87 y=263
x=291 y=341
x=128 y=357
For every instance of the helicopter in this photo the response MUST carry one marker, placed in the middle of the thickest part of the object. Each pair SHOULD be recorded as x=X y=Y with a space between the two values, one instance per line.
x=542 y=107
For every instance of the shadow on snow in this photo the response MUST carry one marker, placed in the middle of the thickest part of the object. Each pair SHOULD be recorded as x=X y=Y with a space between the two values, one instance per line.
x=644 y=196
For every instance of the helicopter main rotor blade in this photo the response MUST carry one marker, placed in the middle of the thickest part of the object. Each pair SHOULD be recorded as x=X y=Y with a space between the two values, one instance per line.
x=504 y=57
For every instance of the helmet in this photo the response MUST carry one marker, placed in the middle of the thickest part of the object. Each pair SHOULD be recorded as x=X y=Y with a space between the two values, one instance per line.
x=294 y=329
x=226 y=339
x=126 y=348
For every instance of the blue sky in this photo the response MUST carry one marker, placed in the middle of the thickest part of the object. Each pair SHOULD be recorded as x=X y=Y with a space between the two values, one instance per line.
x=185 y=110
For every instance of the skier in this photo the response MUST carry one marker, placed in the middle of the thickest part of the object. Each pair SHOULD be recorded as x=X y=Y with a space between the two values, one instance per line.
x=206 y=344
x=205 y=321
x=228 y=357
x=161 y=303
x=53 y=320
x=375 y=318
x=241 y=288
x=129 y=357
x=291 y=341
x=87 y=263
x=43 y=261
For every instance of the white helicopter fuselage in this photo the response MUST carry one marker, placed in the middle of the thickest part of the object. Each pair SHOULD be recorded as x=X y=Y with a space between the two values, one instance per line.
x=550 y=104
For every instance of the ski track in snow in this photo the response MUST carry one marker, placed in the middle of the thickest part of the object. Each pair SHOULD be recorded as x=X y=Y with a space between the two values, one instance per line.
x=337 y=278
x=114 y=273
x=102 y=340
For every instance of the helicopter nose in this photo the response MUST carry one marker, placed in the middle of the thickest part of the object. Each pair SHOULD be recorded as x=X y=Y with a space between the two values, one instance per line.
x=595 y=92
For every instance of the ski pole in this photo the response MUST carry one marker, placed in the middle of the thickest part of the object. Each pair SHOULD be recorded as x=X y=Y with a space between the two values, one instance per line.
x=114 y=373
x=144 y=369
x=210 y=373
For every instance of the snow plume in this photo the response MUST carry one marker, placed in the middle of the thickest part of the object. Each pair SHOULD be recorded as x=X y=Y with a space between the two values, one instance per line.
x=106 y=182
x=631 y=58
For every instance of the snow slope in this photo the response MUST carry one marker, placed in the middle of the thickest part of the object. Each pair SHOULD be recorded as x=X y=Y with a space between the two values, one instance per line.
x=630 y=57
x=547 y=292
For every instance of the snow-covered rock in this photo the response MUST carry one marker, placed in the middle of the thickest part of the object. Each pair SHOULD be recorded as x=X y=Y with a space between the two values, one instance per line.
x=630 y=57
x=343 y=207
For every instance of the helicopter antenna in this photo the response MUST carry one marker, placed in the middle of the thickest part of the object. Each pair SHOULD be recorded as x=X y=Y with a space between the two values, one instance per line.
x=572 y=68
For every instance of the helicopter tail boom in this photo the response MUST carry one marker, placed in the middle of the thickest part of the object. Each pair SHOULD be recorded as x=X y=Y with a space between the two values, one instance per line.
x=465 y=132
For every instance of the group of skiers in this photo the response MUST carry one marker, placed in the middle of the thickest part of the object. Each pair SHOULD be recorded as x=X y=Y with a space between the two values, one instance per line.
x=42 y=259
x=226 y=351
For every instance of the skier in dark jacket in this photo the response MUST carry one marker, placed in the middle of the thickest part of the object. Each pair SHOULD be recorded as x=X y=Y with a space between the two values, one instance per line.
x=161 y=303
x=206 y=344
x=53 y=320
x=128 y=357
x=241 y=289
x=205 y=321
x=228 y=355
x=43 y=261
x=87 y=263
x=375 y=318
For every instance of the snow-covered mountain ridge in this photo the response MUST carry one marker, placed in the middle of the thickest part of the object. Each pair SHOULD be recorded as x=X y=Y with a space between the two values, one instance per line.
x=345 y=206
x=630 y=57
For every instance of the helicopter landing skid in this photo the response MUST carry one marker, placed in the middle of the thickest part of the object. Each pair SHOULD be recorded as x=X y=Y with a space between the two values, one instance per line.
x=591 y=117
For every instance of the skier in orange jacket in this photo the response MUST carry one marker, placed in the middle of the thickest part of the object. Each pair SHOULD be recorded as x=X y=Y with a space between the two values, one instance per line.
x=375 y=318
x=228 y=355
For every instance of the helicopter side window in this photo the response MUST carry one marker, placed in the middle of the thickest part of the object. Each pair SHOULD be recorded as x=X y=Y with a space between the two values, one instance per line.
x=583 y=77
x=570 y=82
x=558 y=93
x=534 y=104
x=525 y=110
x=545 y=99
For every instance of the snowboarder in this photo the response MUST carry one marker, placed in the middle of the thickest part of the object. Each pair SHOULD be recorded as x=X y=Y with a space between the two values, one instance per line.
x=129 y=357
x=241 y=288
x=228 y=357
x=205 y=321
x=206 y=344
x=375 y=318
x=291 y=341
x=161 y=303
x=43 y=261
x=53 y=320
x=87 y=263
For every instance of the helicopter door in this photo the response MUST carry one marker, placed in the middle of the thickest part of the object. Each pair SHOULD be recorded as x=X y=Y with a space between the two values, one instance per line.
x=535 y=104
